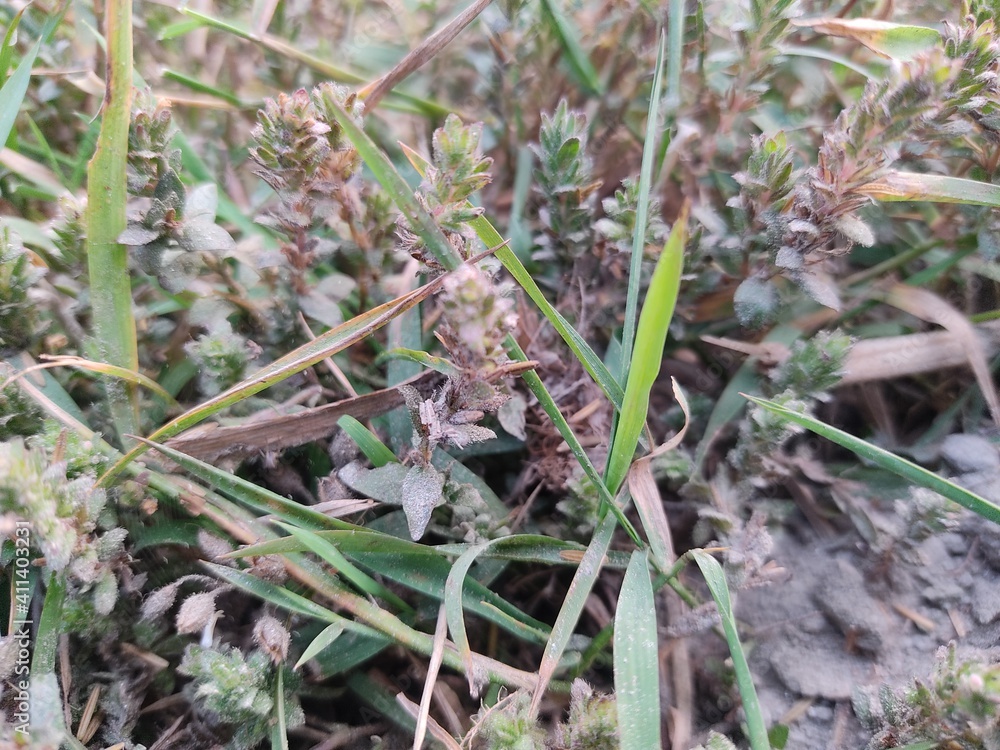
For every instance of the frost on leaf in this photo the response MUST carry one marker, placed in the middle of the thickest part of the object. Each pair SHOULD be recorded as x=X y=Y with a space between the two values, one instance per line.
x=422 y=490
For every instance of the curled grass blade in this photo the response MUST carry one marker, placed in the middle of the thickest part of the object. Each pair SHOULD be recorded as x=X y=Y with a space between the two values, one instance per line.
x=651 y=336
x=130 y=376
x=7 y=51
x=374 y=449
x=918 y=475
x=636 y=659
x=309 y=354
x=716 y=580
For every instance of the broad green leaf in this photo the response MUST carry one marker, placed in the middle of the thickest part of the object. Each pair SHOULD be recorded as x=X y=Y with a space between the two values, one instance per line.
x=895 y=40
x=918 y=475
x=636 y=659
x=651 y=335
x=934 y=188
x=715 y=577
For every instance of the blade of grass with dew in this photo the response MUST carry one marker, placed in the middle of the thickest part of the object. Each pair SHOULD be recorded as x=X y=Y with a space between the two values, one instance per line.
x=331 y=555
x=374 y=449
x=642 y=213
x=716 y=580
x=910 y=471
x=647 y=357
x=575 y=56
x=107 y=260
x=636 y=659
x=307 y=355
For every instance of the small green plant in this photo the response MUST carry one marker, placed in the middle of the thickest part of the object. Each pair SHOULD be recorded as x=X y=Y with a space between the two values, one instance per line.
x=957 y=706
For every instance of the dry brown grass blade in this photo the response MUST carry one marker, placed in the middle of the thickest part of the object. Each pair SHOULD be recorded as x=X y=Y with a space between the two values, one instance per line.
x=926 y=305
x=437 y=731
x=902 y=356
x=423 y=715
x=373 y=93
x=275 y=433
x=646 y=495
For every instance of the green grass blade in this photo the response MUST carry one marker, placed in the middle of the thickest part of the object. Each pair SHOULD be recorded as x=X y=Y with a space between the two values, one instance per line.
x=331 y=342
x=376 y=451
x=716 y=580
x=642 y=214
x=918 y=475
x=593 y=364
x=636 y=661
x=50 y=626
x=327 y=636
x=572 y=606
x=401 y=193
x=425 y=570
x=651 y=335
x=279 y=728
x=675 y=51
x=203 y=88
x=333 y=556
x=249 y=494
x=278 y=596
x=14 y=89
x=574 y=54
x=107 y=260
x=7 y=49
